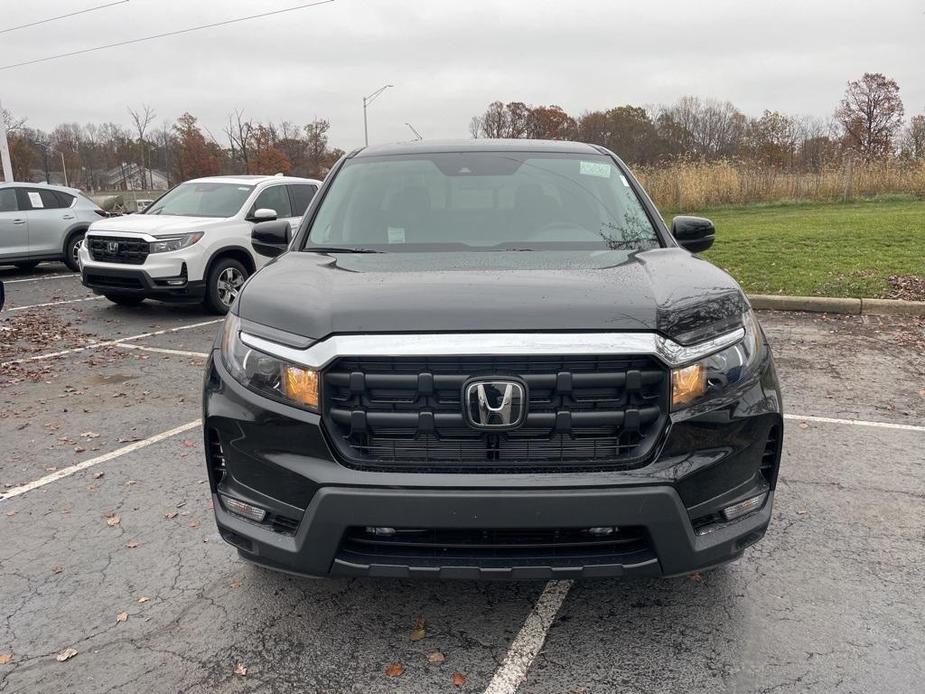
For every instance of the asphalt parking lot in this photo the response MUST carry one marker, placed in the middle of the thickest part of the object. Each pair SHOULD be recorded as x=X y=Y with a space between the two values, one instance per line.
x=118 y=558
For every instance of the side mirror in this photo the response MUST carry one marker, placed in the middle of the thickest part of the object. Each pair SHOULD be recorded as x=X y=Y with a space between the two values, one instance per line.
x=696 y=234
x=263 y=214
x=271 y=238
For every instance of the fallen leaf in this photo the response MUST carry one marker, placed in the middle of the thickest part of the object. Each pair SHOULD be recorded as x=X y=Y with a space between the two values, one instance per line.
x=235 y=584
x=194 y=524
x=436 y=658
x=170 y=515
x=458 y=679
x=79 y=449
x=697 y=577
x=395 y=670
x=113 y=520
x=240 y=670
x=57 y=568
x=188 y=444
x=66 y=654
x=10 y=514
x=143 y=599
x=131 y=544
x=419 y=631
x=98 y=475
x=90 y=435
x=804 y=425
x=122 y=617
x=5 y=658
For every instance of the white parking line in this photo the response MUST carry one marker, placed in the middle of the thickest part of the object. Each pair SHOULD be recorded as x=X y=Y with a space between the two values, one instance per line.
x=55 y=303
x=68 y=471
x=109 y=343
x=855 y=422
x=524 y=648
x=164 y=350
x=46 y=277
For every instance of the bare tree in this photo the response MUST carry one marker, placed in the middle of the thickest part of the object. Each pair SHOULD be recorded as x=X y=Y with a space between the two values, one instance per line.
x=142 y=119
x=240 y=132
x=871 y=115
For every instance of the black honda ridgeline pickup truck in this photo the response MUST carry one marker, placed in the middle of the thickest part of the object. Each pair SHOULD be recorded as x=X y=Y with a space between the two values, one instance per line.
x=490 y=359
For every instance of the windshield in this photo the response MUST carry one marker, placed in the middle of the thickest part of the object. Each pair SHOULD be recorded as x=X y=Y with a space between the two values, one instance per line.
x=202 y=199
x=481 y=201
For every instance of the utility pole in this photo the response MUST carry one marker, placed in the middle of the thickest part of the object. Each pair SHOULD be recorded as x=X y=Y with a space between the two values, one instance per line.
x=367 y=100
x=64 y=168
x=5 y=152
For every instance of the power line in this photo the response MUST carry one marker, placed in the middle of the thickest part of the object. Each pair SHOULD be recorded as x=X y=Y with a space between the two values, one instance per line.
x=165 y=34
x=63 y=16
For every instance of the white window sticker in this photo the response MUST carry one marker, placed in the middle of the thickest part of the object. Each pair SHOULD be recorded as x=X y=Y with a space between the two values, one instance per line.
x=396 y=235
x=594 y=168
x=36 y=200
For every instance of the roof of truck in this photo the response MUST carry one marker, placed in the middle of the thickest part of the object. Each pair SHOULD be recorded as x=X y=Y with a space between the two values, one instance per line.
x=478 y=145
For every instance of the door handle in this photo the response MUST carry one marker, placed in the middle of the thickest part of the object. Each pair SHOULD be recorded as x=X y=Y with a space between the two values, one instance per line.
x=19 y=221
x=68 y=216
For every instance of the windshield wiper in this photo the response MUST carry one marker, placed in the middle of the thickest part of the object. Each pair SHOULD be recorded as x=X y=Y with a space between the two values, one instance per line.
x=340 y=249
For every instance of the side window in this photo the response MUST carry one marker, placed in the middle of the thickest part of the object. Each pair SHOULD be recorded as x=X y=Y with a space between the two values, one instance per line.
x=40 y=199
x=64 y=199
x=273 y=198
x=8 y=200
x=301 y=195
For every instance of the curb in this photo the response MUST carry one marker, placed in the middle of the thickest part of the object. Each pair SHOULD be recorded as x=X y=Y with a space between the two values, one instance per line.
x=828 y=304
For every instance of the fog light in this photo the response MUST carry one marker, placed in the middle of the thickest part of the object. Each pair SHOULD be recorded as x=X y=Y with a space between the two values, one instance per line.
x=602 y=531
x=243 y=509
x=743 y=507
x=176 y=283
x=380 y=531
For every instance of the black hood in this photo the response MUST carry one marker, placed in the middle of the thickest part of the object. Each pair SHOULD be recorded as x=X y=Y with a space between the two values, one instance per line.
x=665 y=290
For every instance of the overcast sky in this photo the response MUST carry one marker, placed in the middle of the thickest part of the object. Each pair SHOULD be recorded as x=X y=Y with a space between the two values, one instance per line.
x=448 y=59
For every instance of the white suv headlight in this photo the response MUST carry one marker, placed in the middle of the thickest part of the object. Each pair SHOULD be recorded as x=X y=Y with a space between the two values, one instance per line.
x=174 y=243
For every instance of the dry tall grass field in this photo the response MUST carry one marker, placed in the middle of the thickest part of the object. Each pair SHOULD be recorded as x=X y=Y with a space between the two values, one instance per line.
x=686 y=186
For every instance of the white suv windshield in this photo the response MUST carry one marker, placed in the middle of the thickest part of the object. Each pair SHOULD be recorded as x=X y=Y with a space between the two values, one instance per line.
x=202 y=199
x=482 y=201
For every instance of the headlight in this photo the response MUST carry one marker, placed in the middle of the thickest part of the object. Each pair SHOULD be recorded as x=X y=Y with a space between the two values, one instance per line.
x=265 y=374
x=712 y=375
x=174 y=243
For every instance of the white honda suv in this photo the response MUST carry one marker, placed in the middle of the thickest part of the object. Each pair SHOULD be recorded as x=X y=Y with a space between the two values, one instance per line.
x=193 y=243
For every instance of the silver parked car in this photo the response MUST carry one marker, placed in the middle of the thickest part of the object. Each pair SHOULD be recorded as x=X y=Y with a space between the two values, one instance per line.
x=41 y=222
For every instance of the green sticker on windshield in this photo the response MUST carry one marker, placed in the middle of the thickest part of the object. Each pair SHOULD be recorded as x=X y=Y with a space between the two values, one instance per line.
x=594 y=168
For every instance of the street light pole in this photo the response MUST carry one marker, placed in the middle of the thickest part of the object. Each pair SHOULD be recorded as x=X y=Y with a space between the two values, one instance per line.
x=367 y=100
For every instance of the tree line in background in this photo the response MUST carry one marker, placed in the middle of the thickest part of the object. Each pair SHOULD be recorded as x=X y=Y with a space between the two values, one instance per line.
x=145 y=156
x=868 y=124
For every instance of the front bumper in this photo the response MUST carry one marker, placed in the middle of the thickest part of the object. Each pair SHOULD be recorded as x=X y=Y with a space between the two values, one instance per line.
x=136 y=282
x=277 y=458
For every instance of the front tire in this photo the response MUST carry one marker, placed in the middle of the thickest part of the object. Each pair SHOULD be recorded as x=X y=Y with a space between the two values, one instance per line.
x=125 y=299
x=70 y=251
x=226 y=276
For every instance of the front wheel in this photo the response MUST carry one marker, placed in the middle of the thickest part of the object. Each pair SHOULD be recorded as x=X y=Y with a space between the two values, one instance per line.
x=125 y=299
x=71 y=249
x=226 y=277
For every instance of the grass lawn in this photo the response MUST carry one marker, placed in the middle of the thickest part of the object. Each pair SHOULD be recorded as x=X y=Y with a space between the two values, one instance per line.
x=822 y=249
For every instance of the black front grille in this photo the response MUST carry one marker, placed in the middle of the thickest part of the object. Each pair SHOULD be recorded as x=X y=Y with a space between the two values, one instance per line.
x=118 y=250
x=114 y=281
x=503 y=546
x=584 y=412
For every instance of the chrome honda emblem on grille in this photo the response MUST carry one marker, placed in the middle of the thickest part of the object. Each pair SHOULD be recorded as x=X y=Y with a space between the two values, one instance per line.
x=495 y=403
x=112 y=246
